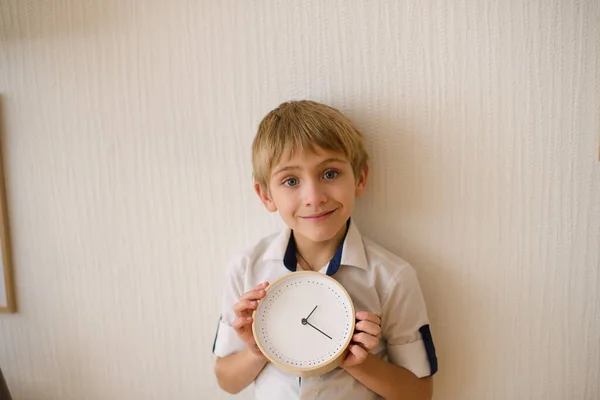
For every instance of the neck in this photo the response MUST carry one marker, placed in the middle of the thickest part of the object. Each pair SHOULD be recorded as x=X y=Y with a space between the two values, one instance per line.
x=317 y=254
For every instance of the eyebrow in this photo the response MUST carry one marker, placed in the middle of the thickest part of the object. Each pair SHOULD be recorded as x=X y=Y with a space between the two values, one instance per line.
x=295 y=167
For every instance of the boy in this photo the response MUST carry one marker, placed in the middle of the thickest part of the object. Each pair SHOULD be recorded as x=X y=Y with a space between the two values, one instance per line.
x=309 y=165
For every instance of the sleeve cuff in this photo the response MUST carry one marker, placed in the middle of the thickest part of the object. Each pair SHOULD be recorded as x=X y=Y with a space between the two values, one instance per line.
x=411 y=356
x=227 y=342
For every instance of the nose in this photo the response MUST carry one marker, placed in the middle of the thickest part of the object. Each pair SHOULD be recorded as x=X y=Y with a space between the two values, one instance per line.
x=314 y=193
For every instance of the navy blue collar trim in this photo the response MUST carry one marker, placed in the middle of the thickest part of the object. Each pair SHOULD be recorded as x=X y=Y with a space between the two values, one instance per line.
x=290 y=260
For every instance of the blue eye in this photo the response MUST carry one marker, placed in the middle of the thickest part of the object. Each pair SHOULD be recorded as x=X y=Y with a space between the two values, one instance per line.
x=330 y=174
x=290 y=182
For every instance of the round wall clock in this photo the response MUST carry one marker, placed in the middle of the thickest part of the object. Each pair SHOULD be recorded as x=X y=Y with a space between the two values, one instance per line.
x=304 y=323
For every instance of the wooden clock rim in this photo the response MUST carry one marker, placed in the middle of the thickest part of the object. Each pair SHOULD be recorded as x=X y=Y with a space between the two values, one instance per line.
x=338 y=354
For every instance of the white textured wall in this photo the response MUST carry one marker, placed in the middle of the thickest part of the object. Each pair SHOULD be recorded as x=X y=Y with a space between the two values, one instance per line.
x=127 y=129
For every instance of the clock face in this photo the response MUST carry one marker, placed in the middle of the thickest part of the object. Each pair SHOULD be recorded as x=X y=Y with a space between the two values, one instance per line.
x=305 y=320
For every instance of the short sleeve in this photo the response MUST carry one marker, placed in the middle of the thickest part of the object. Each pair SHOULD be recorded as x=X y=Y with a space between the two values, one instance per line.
x=227 y=342
x=405 y=326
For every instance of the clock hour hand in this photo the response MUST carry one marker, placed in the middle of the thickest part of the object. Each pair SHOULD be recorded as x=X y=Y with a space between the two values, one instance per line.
x=305 y=322
x=311 y=313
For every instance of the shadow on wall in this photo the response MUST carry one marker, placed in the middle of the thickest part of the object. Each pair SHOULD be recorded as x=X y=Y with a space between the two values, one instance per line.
x=4 y=392
x=399 y=210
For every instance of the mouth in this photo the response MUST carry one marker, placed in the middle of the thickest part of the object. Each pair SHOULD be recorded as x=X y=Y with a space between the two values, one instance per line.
x=319 y=216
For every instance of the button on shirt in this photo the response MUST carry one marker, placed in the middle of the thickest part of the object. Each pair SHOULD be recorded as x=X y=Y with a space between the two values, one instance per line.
x=376 y=280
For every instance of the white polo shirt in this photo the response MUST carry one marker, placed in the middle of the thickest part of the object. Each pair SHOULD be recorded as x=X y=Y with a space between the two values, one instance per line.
x=377 y=281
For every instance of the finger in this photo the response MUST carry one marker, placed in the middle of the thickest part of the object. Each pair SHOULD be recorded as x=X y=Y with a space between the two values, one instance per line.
x=358 y=352
x=240 y=323
x=256 y=293
x=240 y=308
x=367 y=341
x=262 y=285
x=367 y=316
x=368 y=327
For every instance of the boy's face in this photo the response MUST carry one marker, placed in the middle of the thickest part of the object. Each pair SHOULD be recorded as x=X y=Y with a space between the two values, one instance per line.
x=314 y=192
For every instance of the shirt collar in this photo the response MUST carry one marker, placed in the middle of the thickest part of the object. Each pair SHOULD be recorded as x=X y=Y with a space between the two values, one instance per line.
x=351 y=251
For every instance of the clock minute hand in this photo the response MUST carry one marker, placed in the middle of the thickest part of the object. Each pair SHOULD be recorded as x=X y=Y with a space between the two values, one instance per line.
x=308 y=323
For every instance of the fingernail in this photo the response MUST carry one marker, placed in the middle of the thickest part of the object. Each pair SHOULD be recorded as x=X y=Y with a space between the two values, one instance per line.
x=253 y=303
x=249 y=319
x=261 y=292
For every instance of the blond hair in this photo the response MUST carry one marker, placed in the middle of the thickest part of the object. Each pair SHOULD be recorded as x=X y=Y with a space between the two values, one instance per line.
x=304 y=125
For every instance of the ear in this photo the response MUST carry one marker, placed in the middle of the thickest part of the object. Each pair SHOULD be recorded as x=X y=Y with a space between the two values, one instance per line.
x=265 y=197
x=361 y=181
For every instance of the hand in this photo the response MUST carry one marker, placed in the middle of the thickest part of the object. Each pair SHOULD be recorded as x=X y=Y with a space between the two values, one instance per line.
x=243 y=312
x=365 y=338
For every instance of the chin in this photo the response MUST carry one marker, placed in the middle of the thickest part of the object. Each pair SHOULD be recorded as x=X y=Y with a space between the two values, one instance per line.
x=317 y=237
x=319 y=233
